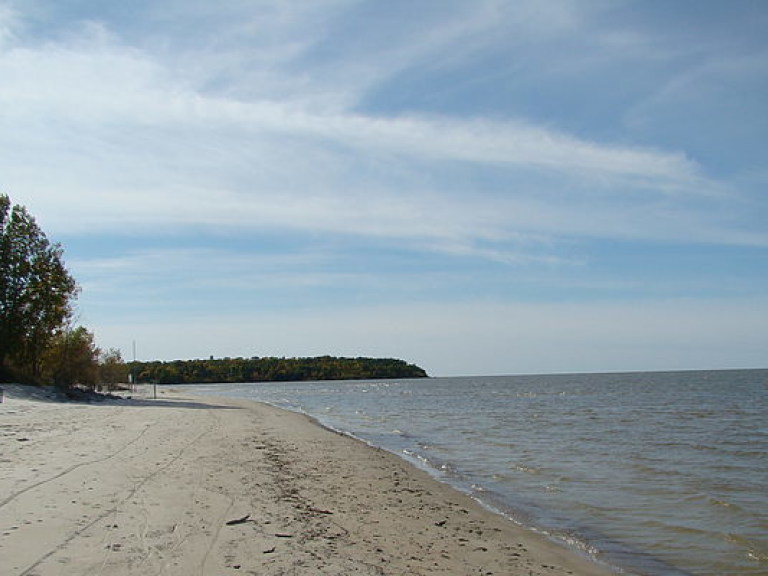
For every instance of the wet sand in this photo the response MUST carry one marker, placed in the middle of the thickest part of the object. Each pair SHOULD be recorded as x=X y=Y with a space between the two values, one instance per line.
x=192 y=486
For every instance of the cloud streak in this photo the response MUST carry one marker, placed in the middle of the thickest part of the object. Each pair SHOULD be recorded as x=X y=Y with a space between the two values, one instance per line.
x=141 y=147
x=340 y=152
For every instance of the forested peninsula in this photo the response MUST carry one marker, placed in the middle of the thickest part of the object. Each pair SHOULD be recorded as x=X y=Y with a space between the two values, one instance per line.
x=40 y=343
x=227 y=370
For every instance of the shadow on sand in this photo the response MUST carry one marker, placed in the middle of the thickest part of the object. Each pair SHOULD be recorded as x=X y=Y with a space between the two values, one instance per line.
x=166 y=403
x=88 y=397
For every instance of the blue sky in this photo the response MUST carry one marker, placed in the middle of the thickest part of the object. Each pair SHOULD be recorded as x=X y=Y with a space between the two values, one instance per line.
x=480 y=187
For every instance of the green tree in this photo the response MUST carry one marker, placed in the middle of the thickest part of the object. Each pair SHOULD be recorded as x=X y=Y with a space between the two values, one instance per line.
x=36 y=290
x=112 y=369
x=71 y=358
x=273 y=369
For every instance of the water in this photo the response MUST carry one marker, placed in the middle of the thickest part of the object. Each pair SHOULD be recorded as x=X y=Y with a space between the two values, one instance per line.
x=656 y=473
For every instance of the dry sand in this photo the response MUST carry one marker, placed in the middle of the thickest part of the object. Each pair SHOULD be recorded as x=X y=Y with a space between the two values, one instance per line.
x=193 y=486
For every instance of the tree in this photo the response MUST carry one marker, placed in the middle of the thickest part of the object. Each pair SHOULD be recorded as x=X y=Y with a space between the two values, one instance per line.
x=71 y=358
x=112 y=369
x=36 y=290
x=273 y=369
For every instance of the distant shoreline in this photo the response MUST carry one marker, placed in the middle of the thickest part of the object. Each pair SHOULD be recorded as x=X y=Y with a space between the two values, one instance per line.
x=272 y=369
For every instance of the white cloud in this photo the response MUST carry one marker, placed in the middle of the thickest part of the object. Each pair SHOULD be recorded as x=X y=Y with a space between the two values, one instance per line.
x=8 y=23
x=252 y=123
x=193 y=268
x=113 y=128
x=97 y=85
x=719 y=81
x=101 y=135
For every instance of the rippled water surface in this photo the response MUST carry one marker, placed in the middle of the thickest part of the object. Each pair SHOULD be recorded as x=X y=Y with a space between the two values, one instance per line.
x=658 y=473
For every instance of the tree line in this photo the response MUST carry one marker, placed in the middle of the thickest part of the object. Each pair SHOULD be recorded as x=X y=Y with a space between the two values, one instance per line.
x=41 y=343
x=39 y=339
x=272 y=369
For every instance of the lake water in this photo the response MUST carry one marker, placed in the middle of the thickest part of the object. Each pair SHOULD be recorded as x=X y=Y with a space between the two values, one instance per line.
x=662 y=473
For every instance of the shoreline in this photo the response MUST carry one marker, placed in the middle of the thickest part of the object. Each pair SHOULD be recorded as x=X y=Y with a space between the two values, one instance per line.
x=201 y=485
x=496 y=508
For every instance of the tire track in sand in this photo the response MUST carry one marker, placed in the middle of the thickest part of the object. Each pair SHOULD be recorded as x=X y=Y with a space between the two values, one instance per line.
x=74 y=467
x=114 y=509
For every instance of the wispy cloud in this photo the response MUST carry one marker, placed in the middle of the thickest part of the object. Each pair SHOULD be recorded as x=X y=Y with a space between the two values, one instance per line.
x=7 y=24
x=717 y=79
x=140 y=145
x=288 y=154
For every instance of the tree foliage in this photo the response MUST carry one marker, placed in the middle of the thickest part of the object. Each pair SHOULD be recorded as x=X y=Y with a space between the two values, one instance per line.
x=273 y=370
x=71 y=358
x=113 y=370
x=38 y=340
x=36 y=290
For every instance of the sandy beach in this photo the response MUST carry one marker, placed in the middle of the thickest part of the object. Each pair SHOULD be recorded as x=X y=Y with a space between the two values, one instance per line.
x=191 y=486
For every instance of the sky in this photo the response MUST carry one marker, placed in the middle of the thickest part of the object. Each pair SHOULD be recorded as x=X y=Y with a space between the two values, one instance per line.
x=484 y=187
